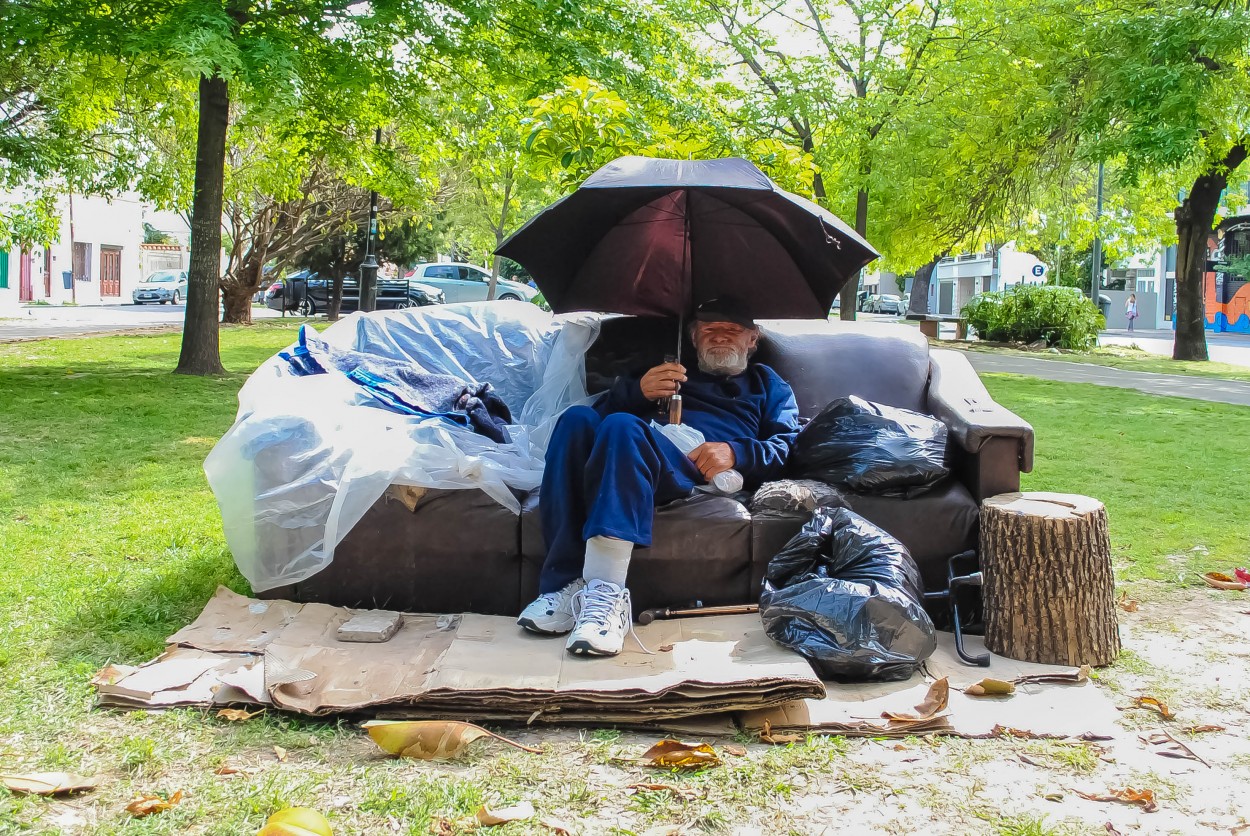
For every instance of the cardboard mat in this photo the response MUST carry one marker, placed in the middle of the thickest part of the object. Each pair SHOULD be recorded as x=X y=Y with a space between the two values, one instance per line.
x=466 y=667
x=703 y=676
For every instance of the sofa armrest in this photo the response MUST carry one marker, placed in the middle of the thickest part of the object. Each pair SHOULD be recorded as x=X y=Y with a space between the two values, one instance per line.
x=979 y=426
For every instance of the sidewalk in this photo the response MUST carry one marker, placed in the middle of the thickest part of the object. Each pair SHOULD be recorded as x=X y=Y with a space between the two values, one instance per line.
x=38 y=321
x=1233 y=349
x=1177 y=385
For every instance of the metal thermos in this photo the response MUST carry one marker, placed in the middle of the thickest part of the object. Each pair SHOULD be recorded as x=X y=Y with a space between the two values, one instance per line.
x=674 y=401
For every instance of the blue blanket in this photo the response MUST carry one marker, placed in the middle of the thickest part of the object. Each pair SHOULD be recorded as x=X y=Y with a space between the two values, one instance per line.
x=404 y=388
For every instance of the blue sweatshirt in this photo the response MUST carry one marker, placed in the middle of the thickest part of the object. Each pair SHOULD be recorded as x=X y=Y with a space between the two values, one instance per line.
x=754 y=412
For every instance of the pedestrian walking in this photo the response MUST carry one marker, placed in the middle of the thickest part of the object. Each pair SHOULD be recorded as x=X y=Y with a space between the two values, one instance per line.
x=1130 y=310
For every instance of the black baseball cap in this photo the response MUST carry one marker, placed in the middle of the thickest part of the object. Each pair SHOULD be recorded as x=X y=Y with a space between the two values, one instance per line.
x=724 y=308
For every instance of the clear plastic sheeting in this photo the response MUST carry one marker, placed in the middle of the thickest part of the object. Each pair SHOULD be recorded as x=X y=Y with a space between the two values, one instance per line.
x=308 y=455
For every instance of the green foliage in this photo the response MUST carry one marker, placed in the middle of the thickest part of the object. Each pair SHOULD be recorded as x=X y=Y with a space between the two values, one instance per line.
x=32 y=223
x=1026 y=313
x=1238 y=265
x=152 y=235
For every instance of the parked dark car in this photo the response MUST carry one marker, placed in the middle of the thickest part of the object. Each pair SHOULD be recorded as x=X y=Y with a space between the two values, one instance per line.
x=309 y=294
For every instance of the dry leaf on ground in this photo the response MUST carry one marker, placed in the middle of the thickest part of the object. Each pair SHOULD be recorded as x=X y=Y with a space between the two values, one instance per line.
x=47 y=783
x=1126 y=603
x=430 y=739
x=517 y=812
x=146 y=805
x=991 y=688
x=280 y=753
x=441 y=827
x=296 y=821
x=1203 y=729
x=933 y=704
x=1154 y=704
x=734 y=749
x=768 y=736
x=679 y=792
x=1170 y=747
x=1127 y=795
x=111 y=673
x=238 y=715
x=674 y=753
x=1219 y=580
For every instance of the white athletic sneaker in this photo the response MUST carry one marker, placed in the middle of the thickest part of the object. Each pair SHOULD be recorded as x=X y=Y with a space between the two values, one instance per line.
x=553 y=613
x=604 y=616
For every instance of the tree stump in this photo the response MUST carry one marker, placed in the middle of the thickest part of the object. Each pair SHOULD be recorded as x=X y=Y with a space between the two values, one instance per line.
x=1049 y=593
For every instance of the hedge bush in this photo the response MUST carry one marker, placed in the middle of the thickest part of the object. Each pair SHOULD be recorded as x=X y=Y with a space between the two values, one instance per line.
x=1025 y=313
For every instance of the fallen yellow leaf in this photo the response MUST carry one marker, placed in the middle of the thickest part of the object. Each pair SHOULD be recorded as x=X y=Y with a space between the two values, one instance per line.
x=1155 y=705
x=990 y=688
x=238 y=715
x=430 y=739
x=296 y=821
x=47 y=783
x=146 y=805
x=767 y=735
x=674 y=753
x=517 y=812
x=280 y=754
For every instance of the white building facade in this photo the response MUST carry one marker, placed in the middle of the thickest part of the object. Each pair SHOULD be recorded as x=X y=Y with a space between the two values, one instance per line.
x=98 y=260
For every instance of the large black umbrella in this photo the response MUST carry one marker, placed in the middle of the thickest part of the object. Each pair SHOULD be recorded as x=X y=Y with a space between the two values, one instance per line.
x=657 y=237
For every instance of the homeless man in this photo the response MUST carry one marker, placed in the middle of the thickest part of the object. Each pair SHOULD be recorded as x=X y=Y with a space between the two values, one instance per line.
x=607 y=469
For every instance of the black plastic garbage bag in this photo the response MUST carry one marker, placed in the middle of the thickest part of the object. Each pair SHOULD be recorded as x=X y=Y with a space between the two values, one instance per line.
x=848 y=597
x=871 y=448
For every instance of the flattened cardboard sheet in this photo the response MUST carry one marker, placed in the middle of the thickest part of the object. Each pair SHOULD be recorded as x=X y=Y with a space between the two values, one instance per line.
x=1043 y=709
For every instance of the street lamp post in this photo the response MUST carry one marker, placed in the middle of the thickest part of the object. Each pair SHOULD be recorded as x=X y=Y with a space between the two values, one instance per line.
x=369 y=267
x=1095 y=269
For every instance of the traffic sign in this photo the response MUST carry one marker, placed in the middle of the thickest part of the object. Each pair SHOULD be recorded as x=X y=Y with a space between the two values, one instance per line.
x=1039 y=270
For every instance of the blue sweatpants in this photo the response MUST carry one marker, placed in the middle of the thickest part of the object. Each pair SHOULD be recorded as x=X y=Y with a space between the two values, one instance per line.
x=604 y=477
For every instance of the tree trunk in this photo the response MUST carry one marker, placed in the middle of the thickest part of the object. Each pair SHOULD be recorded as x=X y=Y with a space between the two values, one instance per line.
x=850 y=291
x=201 y=349
x=1049 y=592
x=236 y=304
x=918 y=301
x=1195 y=219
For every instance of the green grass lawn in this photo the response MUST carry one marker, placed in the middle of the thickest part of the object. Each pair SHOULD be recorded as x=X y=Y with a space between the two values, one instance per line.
x=1123 y=358
x=110 y=540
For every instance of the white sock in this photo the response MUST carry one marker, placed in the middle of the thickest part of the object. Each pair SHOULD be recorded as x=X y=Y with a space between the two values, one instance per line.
x=607 y=559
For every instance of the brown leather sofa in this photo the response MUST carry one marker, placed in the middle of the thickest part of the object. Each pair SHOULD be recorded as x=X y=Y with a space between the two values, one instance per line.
x=460 y=551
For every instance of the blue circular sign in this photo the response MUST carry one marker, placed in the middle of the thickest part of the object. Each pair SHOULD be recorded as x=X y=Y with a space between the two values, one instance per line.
x=1039 y=270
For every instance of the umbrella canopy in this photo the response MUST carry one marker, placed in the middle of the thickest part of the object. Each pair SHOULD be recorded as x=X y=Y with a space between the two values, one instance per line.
x=655 y=237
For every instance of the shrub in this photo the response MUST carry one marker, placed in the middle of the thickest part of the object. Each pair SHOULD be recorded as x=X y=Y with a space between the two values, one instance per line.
x=1025 y=313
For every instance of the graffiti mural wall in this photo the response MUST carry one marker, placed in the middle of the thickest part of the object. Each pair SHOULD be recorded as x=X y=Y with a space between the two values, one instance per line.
x=1227 y=294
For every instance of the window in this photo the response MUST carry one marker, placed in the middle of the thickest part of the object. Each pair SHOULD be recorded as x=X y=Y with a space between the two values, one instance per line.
x=82 y=262
x=441 y=271
x=471 y=274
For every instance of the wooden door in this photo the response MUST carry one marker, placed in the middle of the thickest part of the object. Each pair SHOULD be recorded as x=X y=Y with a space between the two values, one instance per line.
x=110 y=271
x=25 y=292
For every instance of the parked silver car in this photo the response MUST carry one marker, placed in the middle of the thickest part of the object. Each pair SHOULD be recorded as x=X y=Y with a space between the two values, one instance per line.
x=468 y=283
x=163 y=286
x=889 y=303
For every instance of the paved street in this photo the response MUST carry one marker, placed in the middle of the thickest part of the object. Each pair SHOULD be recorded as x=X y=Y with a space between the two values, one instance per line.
x=54 y=321
x=1183 y=386
x=1222 y=348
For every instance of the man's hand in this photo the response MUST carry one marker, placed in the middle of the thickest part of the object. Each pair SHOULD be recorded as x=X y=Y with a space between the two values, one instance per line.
x=712 y=458
x=662 y=381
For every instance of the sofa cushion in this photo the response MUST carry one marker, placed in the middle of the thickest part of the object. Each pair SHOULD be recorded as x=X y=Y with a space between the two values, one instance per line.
x=879 y=362
x=701 y=552
x=934 y=526
x=419 y=561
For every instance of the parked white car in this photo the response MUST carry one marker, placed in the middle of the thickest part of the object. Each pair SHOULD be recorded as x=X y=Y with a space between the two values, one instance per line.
x=468 y=283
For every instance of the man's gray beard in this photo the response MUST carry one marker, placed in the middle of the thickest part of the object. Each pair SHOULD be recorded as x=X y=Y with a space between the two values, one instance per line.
x=726 y=361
